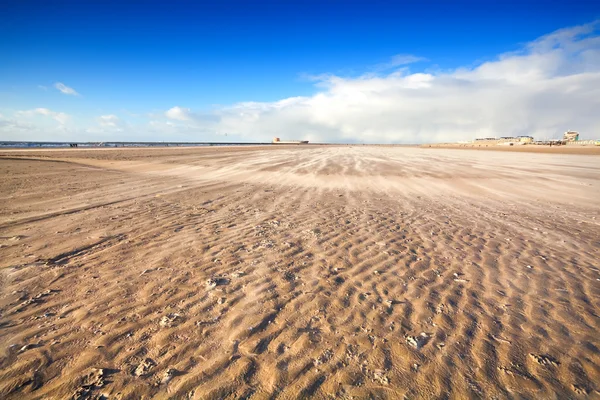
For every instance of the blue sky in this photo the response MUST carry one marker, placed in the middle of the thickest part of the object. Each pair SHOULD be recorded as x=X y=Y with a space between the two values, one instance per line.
x=133 y=62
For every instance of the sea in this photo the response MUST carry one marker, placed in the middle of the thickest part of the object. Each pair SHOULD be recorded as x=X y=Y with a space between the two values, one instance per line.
x=49 y=145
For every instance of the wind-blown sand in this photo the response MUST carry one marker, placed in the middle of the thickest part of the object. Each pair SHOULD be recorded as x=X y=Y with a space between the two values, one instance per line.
x=289 y=272
x=529 y=148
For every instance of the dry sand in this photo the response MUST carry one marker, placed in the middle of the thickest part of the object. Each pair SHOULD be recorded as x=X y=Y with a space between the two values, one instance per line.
x=289 y=272
x=529 y=148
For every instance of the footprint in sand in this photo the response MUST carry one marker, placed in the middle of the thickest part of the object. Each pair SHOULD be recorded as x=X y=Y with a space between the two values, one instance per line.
x=144 y=367
x=379 y=376
x=94 y=380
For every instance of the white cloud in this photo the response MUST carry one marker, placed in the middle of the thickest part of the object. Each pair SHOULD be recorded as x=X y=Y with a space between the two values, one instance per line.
x=179 y=113
x=41 y=111
x=110 y=121
x=188 y=118
x=12 y=125
x=61 y=117
x=65 y=89
x=107 y=127
x=399 y=60
x=403 y=59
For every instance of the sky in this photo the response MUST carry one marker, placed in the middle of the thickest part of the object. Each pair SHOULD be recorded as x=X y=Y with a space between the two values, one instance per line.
x=325 y=71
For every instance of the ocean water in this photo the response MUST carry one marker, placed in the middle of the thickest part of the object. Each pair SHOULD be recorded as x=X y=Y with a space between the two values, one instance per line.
x=33 y=145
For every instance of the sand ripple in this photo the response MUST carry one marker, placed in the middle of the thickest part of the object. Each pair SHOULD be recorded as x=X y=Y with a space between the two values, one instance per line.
x=326 y=272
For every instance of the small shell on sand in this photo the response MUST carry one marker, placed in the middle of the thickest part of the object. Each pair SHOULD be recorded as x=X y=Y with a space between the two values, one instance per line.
x=216 y=281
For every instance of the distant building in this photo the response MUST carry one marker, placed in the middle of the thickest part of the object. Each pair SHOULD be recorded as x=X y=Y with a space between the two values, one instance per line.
x=571 y=136
x=504 y=140
x=525 y=139
x=277 y=140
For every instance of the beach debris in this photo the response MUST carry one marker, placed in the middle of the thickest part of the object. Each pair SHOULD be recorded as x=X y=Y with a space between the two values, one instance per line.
x=364 y=295
x=170 y=320
x=323 y=358
x=45 y=293
x=289 y=276
x=266 y=244
x=93 y=380
x=501 y=339
x=379 y=376
x=418 y=341
x=144 y=367
x=168 y=375
x=216 y=281
x=28 y=347
x=238 y=274
x=311 y=233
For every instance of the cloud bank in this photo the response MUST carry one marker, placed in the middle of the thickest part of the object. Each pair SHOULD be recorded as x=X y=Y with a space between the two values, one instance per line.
x=550 y=85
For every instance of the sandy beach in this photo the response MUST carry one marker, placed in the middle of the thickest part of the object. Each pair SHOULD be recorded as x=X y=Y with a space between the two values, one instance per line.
x=563 y=149
x=302 y=271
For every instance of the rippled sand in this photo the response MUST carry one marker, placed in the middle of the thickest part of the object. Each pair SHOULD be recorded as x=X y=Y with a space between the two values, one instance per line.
x=287 y=272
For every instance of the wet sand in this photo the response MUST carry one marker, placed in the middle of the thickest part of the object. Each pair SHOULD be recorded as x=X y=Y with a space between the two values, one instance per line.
x=290 y=272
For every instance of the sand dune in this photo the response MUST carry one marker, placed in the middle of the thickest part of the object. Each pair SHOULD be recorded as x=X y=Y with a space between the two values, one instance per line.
x=290 y=272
